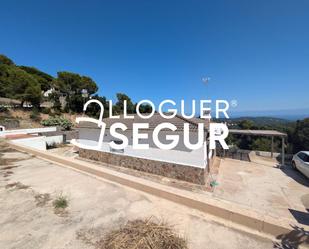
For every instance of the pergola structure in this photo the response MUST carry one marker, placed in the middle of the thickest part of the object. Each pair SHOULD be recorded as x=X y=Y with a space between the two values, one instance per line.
x=264 y=133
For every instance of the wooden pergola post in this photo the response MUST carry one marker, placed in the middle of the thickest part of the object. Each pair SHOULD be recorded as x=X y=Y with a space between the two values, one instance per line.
x=272 y=146
x=282 y=153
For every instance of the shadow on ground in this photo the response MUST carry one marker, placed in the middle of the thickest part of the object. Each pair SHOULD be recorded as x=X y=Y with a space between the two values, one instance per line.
x=301 y=217
x=292 y=240
x=296 y=175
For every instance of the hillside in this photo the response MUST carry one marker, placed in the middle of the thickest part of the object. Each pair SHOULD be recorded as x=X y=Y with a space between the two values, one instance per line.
x=261 y=121
x=23 y=119
x=264 y=123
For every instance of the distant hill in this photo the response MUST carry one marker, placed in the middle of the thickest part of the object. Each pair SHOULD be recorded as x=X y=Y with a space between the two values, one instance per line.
x=262 y=121
x=291 y=114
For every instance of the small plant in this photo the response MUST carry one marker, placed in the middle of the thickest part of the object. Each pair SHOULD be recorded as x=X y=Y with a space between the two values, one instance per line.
x=66 y=124
x=61 y=202
x=57 y=112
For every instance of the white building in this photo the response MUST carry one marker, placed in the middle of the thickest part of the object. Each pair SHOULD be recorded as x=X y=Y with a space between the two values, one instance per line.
x=179 y=158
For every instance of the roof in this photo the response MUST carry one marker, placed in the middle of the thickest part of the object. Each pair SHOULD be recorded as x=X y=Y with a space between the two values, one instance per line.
x=154 y=121
x=258 y=132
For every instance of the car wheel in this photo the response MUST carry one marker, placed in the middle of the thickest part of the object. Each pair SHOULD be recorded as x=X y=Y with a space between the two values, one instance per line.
x=294 y=165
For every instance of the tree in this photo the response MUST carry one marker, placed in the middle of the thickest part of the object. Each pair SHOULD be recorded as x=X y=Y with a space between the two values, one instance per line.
x=261 y=144
x=144 y=108
x=45 y=80
x=246 y=124
x=27 y=83
x=33 y=94
x=94 y=110
x=119 y=106
x=15 y=83
x=245 y=142
x=300 y=137
x=54 y=98
x=71 y=85
x=5 y=60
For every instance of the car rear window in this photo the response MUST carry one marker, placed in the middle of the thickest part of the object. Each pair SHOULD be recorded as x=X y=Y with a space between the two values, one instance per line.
x=303 y=157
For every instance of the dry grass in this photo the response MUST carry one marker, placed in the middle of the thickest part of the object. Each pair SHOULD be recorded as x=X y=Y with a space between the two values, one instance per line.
x=143 y=234
x=25 y=121
x=24 y=118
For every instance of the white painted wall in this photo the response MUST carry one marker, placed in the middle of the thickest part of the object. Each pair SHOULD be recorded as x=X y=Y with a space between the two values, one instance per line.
x=38 y=143
x=94 y=134
x=27 y=131
x=180 y=154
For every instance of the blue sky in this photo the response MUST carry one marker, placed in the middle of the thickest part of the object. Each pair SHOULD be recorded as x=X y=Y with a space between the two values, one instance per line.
x=256 y=52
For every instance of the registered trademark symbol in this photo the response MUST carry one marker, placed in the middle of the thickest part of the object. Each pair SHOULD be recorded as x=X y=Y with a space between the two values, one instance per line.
x=234 y=103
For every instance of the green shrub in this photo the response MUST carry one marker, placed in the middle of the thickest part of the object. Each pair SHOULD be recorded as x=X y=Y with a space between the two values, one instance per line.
x=4 y=109
x=35 y=115
x=61 y=202
x=57 y=112
x=45 y=110
x=58 y=121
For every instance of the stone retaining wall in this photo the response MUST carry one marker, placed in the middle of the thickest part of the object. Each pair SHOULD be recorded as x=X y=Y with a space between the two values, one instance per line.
x=172 y=170
x=9 y=123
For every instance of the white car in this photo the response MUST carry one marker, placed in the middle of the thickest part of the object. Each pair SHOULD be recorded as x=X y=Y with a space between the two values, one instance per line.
x=300 y=161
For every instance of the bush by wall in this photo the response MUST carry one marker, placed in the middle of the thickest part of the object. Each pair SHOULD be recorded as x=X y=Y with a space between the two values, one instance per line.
x=58 y=121
x=35 y=115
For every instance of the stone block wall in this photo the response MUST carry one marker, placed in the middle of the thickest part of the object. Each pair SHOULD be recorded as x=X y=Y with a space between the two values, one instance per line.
x=172 y=170
x=9 y=123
